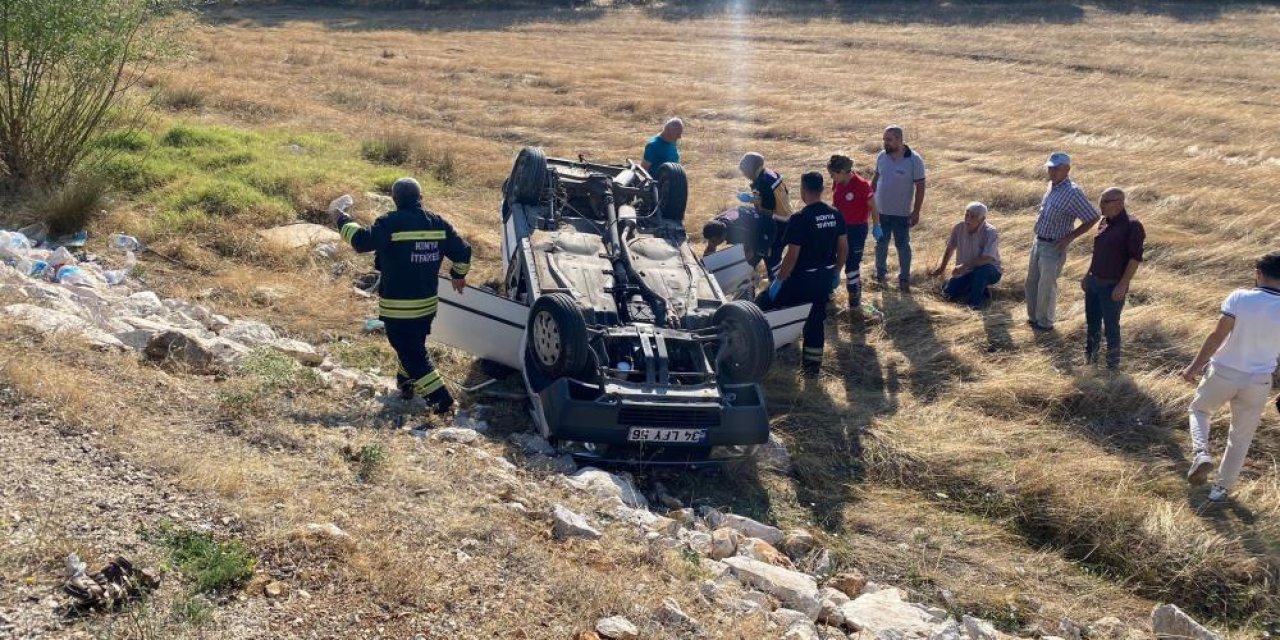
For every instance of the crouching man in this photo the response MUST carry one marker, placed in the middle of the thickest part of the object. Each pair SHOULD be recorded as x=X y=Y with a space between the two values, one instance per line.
x=744 y=226
x=976 y=246
x=1241 y=356
x=410 y=244
x=816 y=249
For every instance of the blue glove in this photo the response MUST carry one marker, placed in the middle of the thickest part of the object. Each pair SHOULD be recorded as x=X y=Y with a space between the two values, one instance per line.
x=745 y=198
x=774 y=289
x=877 y=232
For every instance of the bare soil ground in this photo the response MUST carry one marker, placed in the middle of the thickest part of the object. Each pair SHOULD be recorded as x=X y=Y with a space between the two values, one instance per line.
x=941 y=451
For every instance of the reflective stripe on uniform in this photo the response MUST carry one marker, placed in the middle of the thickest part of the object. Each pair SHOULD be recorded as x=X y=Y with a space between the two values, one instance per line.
x=401 y=236
x=461 y=268
x=349 y=231
x=429 y=383
x=813 y=355
x=408 y=309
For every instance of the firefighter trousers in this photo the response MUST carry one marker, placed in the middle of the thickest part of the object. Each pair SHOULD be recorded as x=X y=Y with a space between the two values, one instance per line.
x=408 y=337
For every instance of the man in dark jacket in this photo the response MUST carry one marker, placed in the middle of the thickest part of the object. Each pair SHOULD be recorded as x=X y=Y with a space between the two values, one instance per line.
x=816 y=249
x=410 y=244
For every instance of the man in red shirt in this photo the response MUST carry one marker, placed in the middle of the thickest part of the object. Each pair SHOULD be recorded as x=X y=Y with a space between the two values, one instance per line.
x=853 y=197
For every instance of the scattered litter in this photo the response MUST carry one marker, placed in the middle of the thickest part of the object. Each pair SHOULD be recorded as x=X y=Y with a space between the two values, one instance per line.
x=374 y=325
x=124 y=243
x=115 y=584
x=74 y=240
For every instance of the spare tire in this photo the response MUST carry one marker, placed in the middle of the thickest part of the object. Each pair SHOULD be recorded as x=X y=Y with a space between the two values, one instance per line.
x=745 y=349
x=528 y=176
x=673 y=191
x=557 y=336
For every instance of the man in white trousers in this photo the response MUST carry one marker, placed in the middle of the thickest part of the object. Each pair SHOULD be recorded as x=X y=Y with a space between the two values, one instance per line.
x=1241 y=356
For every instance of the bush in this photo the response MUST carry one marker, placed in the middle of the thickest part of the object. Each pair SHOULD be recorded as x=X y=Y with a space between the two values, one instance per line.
x=211 y=565
x=67 y=67
x=180 y=98
x=70 y=207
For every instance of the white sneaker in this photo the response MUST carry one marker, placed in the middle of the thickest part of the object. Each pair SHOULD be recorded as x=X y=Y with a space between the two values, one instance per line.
x=1200 y=468
x=1217 y=494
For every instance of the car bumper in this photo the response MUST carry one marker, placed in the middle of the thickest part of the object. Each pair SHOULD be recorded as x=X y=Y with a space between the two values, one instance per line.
x=739 y=417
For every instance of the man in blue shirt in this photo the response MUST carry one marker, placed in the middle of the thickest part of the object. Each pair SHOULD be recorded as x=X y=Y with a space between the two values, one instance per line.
x=662 y=148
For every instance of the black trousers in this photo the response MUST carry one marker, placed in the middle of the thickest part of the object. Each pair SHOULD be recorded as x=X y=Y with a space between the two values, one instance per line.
x=773 y=259
x=409 y=339
x=813 y=287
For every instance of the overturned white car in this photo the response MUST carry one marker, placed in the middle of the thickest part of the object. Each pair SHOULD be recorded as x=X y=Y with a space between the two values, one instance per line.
x=624 y=338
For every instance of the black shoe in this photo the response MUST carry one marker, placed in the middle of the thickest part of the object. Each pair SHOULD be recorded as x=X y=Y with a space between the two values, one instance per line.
x=443 y=406
x=406 y=391
x=904 y=287
x=811 y=369
x=1091 y=357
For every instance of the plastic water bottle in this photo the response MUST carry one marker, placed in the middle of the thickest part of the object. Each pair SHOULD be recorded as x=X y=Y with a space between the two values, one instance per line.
x=13 y=244
x=74 y=276
x=124 y=243
x=31 y=268
x=61 y=257
x=118 y=276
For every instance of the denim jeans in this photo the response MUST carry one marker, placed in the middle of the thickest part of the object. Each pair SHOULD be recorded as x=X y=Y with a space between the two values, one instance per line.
x=971 y=288
x=899 y=228
x=1101 y=312
x=853 y=264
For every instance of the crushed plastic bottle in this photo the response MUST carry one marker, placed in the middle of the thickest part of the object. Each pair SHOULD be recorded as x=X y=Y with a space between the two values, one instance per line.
x=34 y=268
x=118 y=276
x=13 y=244
x=61 y=257
x=124 y=243
x=74 y=276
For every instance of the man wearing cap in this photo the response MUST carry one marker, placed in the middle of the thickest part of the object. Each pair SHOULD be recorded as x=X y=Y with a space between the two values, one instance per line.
x=1117 y=252
x=899 y=187
x=662 y=148
x=976 y=246
x=815 y=247
x=410 y=244
x=770 y=197
x=852 y=196
x=1064 y=202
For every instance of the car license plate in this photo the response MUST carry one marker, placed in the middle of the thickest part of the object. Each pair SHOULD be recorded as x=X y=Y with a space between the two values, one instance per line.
x=673 y=436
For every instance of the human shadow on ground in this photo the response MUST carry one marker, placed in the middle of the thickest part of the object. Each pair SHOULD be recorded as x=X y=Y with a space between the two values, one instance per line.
x=1114 y=412
x=910 y=327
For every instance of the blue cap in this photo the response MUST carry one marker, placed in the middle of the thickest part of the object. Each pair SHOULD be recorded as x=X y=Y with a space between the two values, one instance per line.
x=1058 y=159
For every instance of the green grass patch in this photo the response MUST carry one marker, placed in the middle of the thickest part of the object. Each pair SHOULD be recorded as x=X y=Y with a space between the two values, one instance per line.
x=265 y=375
x=192 y=174
x=210 y=564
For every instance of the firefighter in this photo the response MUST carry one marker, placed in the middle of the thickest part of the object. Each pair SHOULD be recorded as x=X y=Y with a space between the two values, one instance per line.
x=770 y=197
x=816 y=249
x=410 y=244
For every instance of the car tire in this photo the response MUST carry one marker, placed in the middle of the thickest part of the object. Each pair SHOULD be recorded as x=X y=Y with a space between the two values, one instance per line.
x=528 y=176
x=673 y=191
x=557 y=336
x=745 y=349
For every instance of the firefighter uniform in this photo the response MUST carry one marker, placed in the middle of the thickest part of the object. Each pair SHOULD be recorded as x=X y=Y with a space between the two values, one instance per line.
x=410 y=244
x=816 y=230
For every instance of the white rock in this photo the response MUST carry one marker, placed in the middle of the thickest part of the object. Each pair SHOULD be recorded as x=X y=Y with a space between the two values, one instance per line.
x=716 y=569
x=617 y=628
x=831 y=601
x=949 y=629
x=699 y=542
x=297 y=236
x=821 y=564
x=455 y=435
x=978 y=629
x=250 y=332
x=1170 y=622
x=884 y=612
x=804 y=630
x=745 y=607
x=786 y=617
x=671 y=613
x=51 y=323
x=751 y=528
x=532 y=443
x=571 y=525
x=144 y=303
x=606 y=485
x=298 y=350
x=797 y=543
x=796 y=590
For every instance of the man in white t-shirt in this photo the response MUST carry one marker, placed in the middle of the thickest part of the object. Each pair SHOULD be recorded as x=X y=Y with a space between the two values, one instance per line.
x=1241 y=355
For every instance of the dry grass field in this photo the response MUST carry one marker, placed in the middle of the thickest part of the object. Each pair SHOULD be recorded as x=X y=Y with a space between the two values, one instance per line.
x=943 y=451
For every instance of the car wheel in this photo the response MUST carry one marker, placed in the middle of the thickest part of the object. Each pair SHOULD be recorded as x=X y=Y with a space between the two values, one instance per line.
x=673 y=191
x=557 y=336
x=528 y=176
x=745 y=349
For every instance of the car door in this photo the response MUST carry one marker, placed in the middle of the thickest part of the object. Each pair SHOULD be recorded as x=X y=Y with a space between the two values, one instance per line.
x=787 y=323
x=480 y=322
x=730 y=269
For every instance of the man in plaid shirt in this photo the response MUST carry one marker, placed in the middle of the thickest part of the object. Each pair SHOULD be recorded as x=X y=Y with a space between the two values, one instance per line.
x=1063 y=204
